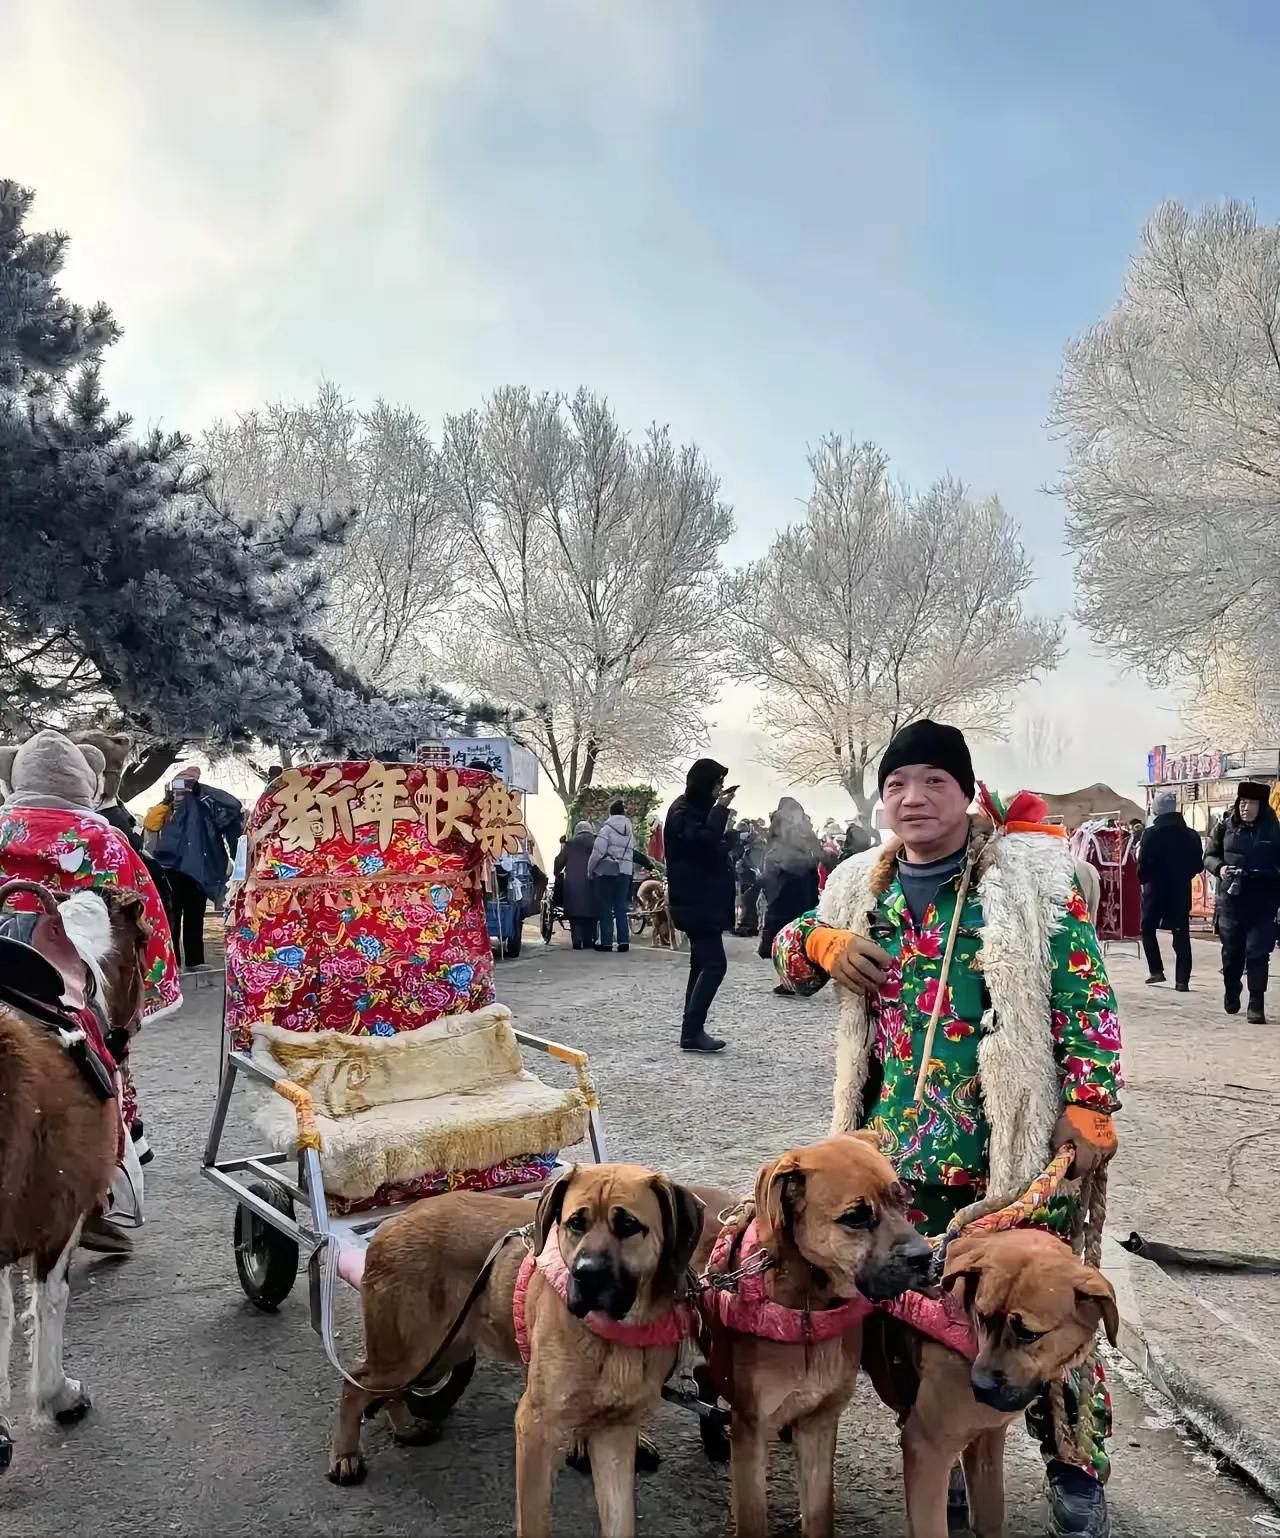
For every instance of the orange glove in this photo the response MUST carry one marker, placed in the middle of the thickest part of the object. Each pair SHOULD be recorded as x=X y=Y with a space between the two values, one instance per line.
x=824 y=947
x=848 y=959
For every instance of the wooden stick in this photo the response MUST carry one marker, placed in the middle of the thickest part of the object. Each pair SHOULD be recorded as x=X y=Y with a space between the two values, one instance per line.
x=935 y=1013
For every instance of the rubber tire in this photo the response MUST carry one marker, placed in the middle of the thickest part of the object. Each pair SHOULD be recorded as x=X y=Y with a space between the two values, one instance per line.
x=435 y=1403
x=279 y=1263
x=547 y=925
x=637 y=922
x=511 y=948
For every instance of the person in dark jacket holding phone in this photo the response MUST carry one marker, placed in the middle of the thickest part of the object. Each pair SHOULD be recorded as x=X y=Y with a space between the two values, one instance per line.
x=1244 y=854
x=697 y=838
x=1169 y=859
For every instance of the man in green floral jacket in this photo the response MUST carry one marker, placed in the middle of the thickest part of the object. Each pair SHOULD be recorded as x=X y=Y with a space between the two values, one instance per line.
x=1026 y=1055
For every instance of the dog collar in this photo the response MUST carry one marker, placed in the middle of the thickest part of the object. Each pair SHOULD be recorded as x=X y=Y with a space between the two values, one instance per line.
x=668 y=1330
x=746 y=1310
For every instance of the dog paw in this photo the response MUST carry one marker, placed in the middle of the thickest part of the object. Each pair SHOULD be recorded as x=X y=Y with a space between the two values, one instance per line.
x=347 y=1471
x=70 y=1404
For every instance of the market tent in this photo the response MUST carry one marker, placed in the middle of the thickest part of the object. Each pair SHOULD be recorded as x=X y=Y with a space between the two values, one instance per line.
x=1077 y=806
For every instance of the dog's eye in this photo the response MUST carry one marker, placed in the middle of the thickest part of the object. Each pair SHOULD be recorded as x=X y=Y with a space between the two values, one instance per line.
x=578 y=1223
x=627 y=1227
x=1022 y=1335
x=861 y=1216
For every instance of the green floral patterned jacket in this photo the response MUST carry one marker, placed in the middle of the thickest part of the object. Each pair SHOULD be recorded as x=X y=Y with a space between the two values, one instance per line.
x=944 y=1142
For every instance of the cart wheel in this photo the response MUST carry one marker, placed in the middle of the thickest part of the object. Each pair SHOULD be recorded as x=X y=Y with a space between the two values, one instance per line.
x=511 y=948
x=266 y=1262
x=433 y=1401
x=547 y=925
x=638 y=921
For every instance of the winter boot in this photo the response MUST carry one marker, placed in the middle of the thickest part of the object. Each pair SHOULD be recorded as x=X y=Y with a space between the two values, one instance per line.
x=1257 y=1015
x=699 y=1041
x=1231 y=999
x=1077 y=1504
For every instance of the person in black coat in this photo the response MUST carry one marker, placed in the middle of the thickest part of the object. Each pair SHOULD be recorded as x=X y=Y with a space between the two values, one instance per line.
x=577 y=896
x=1244 y=854
x=698 y=844
x=1169 y=860
x=790 y=873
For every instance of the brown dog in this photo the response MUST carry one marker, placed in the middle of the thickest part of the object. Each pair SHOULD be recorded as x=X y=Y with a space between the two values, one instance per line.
x=832 y=1217
x=626 y=1237
x=1035 y=1309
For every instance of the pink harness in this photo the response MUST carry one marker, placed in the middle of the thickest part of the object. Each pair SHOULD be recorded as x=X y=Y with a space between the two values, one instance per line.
x=669 y=1330
x=746 y=1310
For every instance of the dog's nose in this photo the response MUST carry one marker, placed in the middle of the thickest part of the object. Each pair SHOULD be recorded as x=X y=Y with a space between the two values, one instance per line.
x=589 y=1264
x=986 y=1383
x=914 y=1253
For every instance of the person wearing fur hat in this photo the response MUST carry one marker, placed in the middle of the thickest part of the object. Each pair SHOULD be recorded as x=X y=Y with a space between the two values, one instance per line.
x=1244 y=854
x=50 y=832
x=1027 y=1046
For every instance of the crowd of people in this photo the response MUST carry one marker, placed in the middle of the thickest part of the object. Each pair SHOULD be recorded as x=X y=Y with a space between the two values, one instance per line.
x=1243 y=856
x=594 y=875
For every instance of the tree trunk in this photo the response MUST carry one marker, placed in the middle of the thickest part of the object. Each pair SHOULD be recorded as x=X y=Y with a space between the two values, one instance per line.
x=854 y=782
x=148 y=769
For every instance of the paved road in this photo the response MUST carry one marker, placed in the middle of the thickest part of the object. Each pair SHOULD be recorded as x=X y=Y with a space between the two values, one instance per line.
x=212 y=1418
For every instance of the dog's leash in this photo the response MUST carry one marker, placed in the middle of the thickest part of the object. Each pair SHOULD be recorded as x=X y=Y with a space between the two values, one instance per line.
x=329 y=1272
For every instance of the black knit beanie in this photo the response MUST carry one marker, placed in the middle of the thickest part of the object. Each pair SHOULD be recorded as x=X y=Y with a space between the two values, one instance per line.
x=926 y=742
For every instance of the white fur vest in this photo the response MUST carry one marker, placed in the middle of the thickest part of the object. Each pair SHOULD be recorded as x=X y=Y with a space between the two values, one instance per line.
x=1023 y=880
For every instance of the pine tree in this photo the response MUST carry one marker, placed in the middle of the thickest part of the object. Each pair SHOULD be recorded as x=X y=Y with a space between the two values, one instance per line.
x=125 y=589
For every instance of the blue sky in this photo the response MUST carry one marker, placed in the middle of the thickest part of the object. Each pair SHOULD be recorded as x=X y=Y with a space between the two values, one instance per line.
x=755 y=222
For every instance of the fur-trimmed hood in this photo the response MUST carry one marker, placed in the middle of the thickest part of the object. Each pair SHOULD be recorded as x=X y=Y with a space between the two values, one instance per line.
x=1023 y=881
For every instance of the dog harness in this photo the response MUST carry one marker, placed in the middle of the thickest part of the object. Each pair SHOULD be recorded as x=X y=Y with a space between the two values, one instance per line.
x=670 y=1329
x=744 y=1308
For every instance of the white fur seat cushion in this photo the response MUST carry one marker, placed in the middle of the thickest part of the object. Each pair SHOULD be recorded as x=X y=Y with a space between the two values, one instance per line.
x=451 y=1095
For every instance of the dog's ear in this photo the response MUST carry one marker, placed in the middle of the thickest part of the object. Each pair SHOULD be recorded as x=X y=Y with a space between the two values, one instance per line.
x=779 y=1191
x=682 y=1218
x=965 y=1259
x=1094 y=1288
x=550 y=1205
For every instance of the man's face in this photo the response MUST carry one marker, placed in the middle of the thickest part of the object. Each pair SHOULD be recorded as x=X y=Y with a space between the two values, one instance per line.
x=925 y=806
x=1249 y=811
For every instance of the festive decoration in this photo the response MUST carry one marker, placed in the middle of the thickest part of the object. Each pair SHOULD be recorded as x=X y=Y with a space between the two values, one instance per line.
x=362 y=910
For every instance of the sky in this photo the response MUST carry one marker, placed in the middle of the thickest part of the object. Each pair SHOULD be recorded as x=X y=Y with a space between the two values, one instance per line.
x=756 y=223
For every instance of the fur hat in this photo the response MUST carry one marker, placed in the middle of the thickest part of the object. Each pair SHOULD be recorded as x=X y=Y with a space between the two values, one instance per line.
x=50 y=764
x=115 y=749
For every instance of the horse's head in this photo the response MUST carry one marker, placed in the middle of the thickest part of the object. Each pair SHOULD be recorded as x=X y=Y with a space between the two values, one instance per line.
x=110 y=930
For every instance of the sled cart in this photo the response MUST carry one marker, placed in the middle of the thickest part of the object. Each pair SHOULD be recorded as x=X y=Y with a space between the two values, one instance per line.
x=361 y=1017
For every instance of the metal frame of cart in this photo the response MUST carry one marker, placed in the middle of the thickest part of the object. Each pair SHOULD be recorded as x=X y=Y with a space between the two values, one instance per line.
x=271 y=1237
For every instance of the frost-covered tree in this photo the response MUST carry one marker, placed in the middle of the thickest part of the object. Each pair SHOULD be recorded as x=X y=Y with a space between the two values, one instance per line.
x=125 y=592
x=879 y=607
x=1170 y=407
x=589 y=598
x=393 y=576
